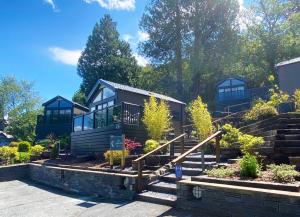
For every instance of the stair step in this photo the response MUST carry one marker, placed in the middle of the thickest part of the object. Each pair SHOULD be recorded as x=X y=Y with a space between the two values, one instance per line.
x=189 y=171
x=287 y=143
x=196 y=157
x=292 y=151
x=288 y=131
x=162 y=187
x=158 y=198
x=290 y=126
x=171 y=178
x=197 y=164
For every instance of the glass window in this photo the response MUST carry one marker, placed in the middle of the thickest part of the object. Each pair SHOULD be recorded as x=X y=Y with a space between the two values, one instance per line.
x=221 y=90
x=110 y=103
x=93 y=108
x=98 y=97
x=65 y=116
x=107 y=93
x=110 y=113
x=53 y=104
x=88 y=121
x=241 y=88
x=100 y=118
x=65 y=104
x=78 y=124
x=104 y=105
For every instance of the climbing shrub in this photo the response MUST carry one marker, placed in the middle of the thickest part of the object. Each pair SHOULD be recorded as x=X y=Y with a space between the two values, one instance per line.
x=283 y=173
x=250 y=166
x=297 y=100
x=24 y=146
x=221 y=172
x=201 y=118
x=150 y=145
x=116 y=155
x=248 y=142
x=157 y=118
x=230 y=137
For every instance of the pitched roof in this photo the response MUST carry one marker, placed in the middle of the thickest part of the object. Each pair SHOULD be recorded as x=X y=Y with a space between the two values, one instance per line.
x=295 y=60
x=117 y=86
x=74 y=103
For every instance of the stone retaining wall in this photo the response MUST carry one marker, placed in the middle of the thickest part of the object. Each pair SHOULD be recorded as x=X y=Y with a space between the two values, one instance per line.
x=235 y=201
x=13 y=172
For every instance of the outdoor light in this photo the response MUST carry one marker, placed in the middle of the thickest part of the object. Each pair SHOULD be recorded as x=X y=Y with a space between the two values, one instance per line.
x=197 y=192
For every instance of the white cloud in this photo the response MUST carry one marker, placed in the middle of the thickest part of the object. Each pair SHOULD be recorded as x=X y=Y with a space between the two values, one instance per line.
x=52 y=4
x=115 y=4
x=141 y=61
x=127 y=37
x=69 y=57
x=143 y=36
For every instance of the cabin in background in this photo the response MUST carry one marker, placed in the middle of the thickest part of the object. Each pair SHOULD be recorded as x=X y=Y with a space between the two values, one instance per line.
x=57 y=117
x=5 y=139
x=233 y=95
x=289 y=75
x=116 y=109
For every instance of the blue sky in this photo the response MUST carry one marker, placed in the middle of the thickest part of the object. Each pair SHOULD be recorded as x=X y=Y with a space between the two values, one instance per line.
x=40 y=40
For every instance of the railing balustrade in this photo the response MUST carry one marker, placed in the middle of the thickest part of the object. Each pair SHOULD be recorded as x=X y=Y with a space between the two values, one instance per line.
x=125 y=113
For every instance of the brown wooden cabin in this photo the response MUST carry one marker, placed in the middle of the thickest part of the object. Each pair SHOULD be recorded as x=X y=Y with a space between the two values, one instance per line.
x=116 y=109
x=58 y=117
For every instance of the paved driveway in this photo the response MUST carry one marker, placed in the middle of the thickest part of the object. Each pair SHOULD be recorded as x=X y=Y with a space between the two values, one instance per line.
x=27 y=199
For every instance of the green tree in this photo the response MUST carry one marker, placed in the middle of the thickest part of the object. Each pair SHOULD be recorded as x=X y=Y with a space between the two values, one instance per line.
x=19 y=103
x=106 y=57
x=79 y=97
x=163 y=21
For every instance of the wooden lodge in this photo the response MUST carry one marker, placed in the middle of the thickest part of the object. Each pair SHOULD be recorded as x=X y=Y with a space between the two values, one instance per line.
x=57 y=117
x=116 y=109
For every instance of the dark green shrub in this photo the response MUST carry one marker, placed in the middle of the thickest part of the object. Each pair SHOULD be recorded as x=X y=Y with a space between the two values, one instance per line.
x=283 y=172
x=230 y=137
x=24 y=146
x=221 y=172
x=249 y=166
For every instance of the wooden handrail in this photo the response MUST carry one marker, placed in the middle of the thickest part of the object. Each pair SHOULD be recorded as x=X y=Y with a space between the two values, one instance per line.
x=180 y=158
x=158 y=148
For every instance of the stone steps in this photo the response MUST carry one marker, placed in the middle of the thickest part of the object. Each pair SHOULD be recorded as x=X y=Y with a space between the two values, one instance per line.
x=286 y=143
x=197 y=164
x=189 y=171
x=162 y=187
x=171 y=177
x=157 y=197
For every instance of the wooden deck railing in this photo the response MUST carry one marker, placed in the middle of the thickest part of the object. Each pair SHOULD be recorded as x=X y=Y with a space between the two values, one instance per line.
x=217 y=135
x=140 y=160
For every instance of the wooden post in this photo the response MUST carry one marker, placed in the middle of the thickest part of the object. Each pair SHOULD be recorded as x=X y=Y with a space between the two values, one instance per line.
x=123 y=153
x=218 y=138
x=111 y=159
x=140 y=177
x=202 y=159
x=172 y=149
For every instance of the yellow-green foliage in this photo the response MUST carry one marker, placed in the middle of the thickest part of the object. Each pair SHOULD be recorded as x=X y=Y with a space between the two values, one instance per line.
x=221 y=172
x=201 y=118
x=7 y=154
x=261 y=109
x=14 y=144
x=116 y=155
x=150 y=145
x=297 y=100
x=277 y=97
x=248 y=142
x=37 y=150
x=230 y=137
x=283 y=172
x=24 y=146
x=157 y=118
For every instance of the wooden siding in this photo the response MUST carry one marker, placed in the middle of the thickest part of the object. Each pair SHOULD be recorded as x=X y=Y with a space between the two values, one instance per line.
x=92 y=142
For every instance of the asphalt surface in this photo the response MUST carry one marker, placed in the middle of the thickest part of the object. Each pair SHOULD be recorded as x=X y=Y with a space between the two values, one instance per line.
x=28 y=199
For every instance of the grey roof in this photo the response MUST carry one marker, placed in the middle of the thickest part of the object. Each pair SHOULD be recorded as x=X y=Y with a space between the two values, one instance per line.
x=133 y=90
x=295 y=60
x=74 y=103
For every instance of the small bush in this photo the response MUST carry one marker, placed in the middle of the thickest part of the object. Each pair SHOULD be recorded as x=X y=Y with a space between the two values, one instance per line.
x=117 y=156
x=37 y=150
x=131 y=145
x=283 y=173
x=8 y=154
x=248 y=142
x=24 y=146
x=259 y=111
x=221 y=172
x=54 y=151
x=150 y=145
x=249 y=166
x=297 y=100
x=230 y=137
x=14 y=144
x=23 y=157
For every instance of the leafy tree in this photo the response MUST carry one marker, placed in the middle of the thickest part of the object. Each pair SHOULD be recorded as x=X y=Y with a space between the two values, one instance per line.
x=157 y=118
x=79 y=97
x=19 y=103
x=106 y=57
x=163 y=21
x=201 y=118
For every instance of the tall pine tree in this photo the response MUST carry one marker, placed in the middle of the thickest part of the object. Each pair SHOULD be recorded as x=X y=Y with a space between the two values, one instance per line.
x=106 y=57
